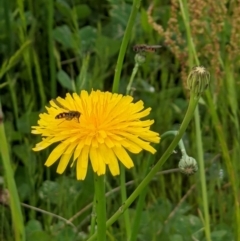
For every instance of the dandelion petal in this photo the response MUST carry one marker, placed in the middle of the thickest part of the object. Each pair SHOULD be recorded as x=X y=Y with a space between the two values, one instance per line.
x=123 y=156
x=82 y=165
x=55 y=154
x=65 y=158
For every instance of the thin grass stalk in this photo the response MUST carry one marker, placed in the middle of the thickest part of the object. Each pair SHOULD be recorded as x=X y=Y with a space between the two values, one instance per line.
x=122 y=170
x=52 y=66
x=9 y=39
x=77 y=38
x=82 y=80
x=39 y=79
x=20 y=4
x=14 y=202
x=126 y=216
x=193 y=56
x=22 y=36
x=126 y=37
x=13 y=95
x=140 y=204
x=232 y=89
x=138 y=214
x=100 y=204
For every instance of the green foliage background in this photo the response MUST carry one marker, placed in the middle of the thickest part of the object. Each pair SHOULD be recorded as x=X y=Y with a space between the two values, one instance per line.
x=49 y=48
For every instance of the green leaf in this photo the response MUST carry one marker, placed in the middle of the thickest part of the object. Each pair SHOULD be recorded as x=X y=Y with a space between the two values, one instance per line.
x=39 y=236
x=219 y=235
x=49 y=192
x=65 y=80
x=22 y=152
x=176 y=237
x=63 y=8
x=33 y=226
x=107 y=47
x=25 y=122
x=66 y=234
x=82 y=11
x=88 y=37
x=11 y=133
x=8 y=64
x=64 y=36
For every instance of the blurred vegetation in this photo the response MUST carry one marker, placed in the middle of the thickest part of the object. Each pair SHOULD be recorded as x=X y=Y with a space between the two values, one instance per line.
x=49 y=48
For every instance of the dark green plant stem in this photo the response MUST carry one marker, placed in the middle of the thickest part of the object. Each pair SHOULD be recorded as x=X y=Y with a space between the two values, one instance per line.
x=14 y=202
x=52 y=66
x=100 y=204
x=126 y=37
x=124 y=197
x=190 y=111
x=93 y=217
x=202 y=174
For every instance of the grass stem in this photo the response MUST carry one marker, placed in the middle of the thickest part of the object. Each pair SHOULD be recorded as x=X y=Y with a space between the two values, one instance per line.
x=17 y=218
x=100 y=203
x=126 y=37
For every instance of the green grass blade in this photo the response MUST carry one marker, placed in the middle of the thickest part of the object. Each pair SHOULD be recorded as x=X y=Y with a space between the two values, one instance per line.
x=17 y=218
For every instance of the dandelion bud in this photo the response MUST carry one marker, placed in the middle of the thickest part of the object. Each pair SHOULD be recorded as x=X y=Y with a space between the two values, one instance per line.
x=140 y=59
x=188 y=165
x=198 y=80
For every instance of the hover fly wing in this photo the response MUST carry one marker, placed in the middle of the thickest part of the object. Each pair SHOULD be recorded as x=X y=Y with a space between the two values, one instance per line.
x=59 y=105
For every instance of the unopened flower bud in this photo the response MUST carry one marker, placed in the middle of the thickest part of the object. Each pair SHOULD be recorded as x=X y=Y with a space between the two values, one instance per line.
x=140 y=58
x=188 y=165
x=198 y=80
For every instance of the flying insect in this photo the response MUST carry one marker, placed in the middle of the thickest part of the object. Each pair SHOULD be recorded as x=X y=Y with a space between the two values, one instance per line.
x=140 y=48
x=68 y=115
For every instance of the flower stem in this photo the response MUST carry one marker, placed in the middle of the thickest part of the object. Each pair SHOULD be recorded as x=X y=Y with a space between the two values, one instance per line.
x=202 y=175
x=190 y=111
x=100 y=204
x=124 y=197
x=93 y=217
x=135 y=69
x=180 y=144
x=126 y=37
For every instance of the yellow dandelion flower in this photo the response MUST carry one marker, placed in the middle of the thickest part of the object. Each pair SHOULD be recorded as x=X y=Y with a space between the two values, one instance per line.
x=100 y=127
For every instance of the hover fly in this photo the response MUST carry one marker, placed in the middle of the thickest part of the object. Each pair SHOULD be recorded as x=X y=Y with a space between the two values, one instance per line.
x=146 y=48
x=68 y=115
